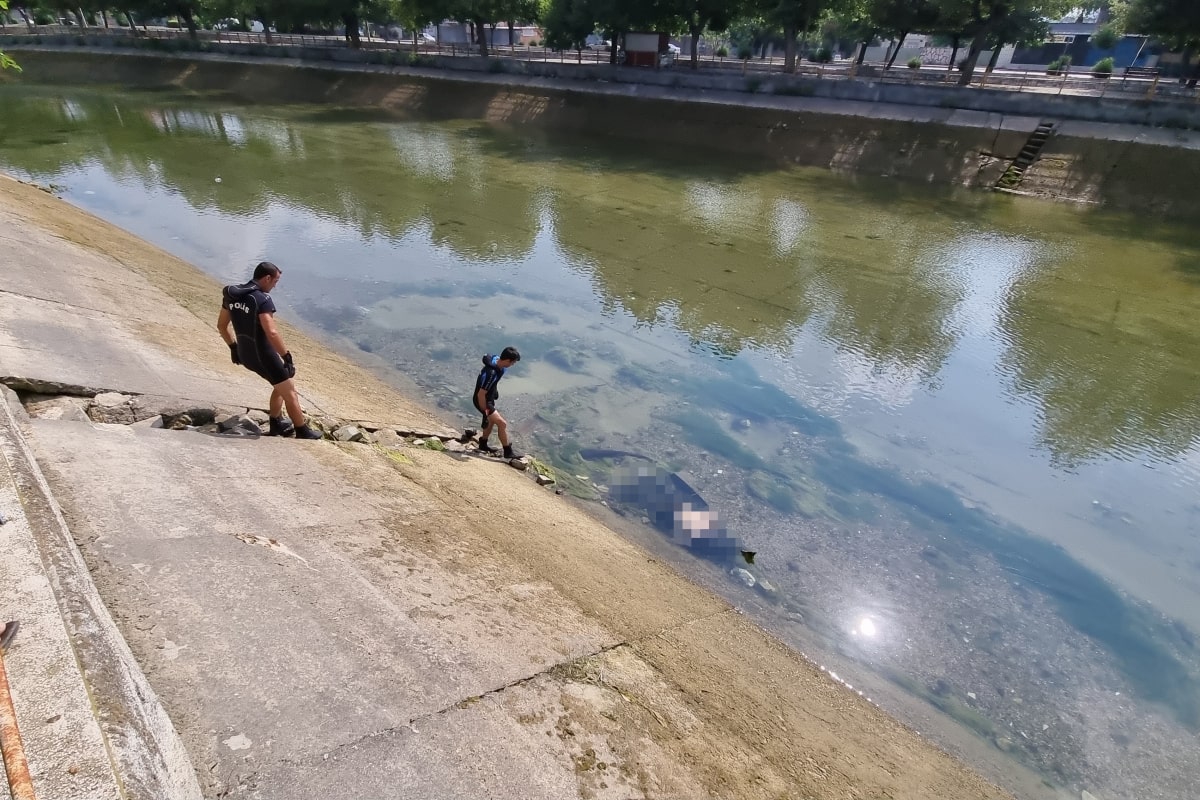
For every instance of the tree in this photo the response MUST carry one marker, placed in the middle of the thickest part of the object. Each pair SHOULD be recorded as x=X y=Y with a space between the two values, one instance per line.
x=566 y=24
x=185 y=9
x=1175 y=22
x=701 y=15
x=898 y=18
x=794 y=17
x=5 y=61
x=1024 y=28
x=984 y=17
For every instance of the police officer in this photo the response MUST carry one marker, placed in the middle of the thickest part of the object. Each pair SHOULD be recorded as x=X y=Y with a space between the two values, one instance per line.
x=486 y=395
x=255 y=343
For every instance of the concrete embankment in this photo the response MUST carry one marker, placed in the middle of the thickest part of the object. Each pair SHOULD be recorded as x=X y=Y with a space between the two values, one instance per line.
x=1116 y=165
x=369 y=620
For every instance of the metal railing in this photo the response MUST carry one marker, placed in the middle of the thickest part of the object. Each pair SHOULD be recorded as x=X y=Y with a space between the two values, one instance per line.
x=1079 y=83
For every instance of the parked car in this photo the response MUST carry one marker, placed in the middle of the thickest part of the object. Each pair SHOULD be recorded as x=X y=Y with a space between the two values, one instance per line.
x=673 y=49
x=595 y=41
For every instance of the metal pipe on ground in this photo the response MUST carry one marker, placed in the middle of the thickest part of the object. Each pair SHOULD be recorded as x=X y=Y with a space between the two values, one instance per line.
x=16 y=767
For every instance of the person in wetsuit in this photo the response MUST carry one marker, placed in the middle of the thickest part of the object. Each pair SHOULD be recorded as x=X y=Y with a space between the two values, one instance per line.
x=255 y=343
x=485 y=398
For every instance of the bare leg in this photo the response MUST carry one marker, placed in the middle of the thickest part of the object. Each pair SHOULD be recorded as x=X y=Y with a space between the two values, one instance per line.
x=276 y=406
x=501 y=427
x=291 y=398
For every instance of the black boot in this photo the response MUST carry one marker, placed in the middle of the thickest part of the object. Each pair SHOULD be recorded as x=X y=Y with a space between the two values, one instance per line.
x=305 y=432
x=278 y=426
x=510 y=453
x=484 y=447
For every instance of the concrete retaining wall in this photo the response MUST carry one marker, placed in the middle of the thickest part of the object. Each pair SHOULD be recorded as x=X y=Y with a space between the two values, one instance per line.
x=1182 y=112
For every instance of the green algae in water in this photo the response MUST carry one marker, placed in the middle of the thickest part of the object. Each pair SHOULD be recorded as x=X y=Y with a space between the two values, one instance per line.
x=706 y=433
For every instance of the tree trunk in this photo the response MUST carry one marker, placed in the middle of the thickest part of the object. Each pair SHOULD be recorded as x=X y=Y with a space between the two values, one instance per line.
x=481 y=37
x=24 y=16
x=789 y=48
x=132 y=25
x=512 y=34
x=350 y=20
x=81 y=17
x=862 y=53
x=968 y=70
x=190 y=21
x=1185 y=62
x=899 y=44
x=104 y=16
x=995 y=57
x=957 y=39
x=260 y=14
x=696 y=30
x=612 y=48
x=1195 y=76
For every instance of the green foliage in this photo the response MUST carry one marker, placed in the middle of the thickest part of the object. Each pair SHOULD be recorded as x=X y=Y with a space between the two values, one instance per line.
x=5 y=61
x=1176 y=22
x=567 y=24
x=723 y=52
x=914 y=62
x=1103 y=67
x=1106 y=38
x=1060 y=64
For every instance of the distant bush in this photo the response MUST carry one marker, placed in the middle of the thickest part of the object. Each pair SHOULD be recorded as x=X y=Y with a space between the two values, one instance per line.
x=823 y=55
x=1106 y=38
x=722 y=52
x=914 y=62
x=745 y=53
x=1059 y=65
x=1103 y=68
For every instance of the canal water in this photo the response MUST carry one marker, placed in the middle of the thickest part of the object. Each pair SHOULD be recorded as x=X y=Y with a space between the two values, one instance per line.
x=960 y=432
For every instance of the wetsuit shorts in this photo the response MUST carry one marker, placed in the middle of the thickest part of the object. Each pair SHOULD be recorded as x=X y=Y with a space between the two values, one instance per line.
x=267 y=364
x=491 y=406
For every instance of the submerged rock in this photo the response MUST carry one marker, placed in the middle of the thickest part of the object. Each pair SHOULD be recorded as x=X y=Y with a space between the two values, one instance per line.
x=743 y=576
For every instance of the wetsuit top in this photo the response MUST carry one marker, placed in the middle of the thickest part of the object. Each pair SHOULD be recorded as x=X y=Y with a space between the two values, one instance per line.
x=244 y=303
x=489 y=376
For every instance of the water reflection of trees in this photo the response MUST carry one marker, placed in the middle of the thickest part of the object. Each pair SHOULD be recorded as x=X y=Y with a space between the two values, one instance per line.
x=1108 y=353
x=734 y=261
x=361 y=175
x=662 y=255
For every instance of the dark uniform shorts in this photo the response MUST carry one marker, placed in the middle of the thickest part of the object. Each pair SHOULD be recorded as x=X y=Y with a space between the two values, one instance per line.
x=268 y=365
x=491 y=406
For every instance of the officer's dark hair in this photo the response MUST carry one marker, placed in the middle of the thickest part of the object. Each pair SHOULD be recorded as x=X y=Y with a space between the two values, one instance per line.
x=264 y=269
x=510 y=354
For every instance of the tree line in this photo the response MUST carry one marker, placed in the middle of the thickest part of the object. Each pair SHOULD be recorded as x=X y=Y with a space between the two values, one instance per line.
x=970 y=26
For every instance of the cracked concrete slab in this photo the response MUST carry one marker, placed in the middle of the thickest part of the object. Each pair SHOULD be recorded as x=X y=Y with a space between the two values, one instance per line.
x=279 y=619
